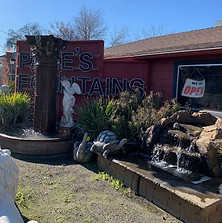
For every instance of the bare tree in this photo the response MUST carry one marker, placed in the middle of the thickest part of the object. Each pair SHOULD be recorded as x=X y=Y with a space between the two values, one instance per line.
x=153 y=31
x=89 y=25
x=118 y=37
x=28 y=29
x=63 y=30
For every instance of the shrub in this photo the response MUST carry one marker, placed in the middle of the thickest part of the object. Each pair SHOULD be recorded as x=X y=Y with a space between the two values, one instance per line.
x=13 y=107
x=128 y=116
x=150 y=112
x=94 y=116
x=123 y=109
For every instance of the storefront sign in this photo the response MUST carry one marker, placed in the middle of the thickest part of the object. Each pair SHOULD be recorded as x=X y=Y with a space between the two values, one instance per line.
x=193 y=88
x=83 y=62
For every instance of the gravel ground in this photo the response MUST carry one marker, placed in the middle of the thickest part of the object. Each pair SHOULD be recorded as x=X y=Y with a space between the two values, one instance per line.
x=62 y=191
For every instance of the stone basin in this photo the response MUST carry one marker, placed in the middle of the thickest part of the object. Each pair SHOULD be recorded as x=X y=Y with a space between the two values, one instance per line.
x=56 y=144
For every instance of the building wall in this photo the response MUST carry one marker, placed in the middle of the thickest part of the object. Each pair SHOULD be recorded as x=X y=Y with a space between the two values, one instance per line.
x=163 y=72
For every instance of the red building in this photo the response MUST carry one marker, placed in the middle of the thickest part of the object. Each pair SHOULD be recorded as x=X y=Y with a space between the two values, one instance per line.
x=172 y=59
x=186 y=66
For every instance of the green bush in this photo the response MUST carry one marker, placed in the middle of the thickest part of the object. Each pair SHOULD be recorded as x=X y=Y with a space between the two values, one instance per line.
x=150 y=112
x=94 y=116
x=123 y=109
x=128 y=116
x=13 y=107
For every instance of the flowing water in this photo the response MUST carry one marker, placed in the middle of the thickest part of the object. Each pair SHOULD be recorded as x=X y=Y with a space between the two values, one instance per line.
x=178 y=168
x=25 y=132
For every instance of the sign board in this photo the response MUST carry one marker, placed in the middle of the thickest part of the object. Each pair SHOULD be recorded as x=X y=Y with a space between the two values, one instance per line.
x=82 y=62
x=193 y=88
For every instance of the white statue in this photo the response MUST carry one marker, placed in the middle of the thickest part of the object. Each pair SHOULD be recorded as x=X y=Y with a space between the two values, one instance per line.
x=9 y=174
x=68 y=102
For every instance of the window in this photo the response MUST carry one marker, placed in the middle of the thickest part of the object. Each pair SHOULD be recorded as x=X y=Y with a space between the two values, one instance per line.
x=200 y=86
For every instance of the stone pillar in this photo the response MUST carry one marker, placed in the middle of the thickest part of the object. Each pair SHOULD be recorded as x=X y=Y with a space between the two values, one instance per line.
x=45 y=54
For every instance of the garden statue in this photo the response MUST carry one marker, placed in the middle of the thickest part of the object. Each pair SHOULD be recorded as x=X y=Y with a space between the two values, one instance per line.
x=107 y=143
x=81 y=152
x=9 y=173
x=4 y=89
x=68 y=102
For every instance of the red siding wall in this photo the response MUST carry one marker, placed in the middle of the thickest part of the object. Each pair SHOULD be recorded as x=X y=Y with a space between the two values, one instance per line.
x=162 y=72
x=161 y=77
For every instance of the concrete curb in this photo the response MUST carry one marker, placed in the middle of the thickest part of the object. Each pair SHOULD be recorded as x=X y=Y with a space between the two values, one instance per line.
x=189 y=203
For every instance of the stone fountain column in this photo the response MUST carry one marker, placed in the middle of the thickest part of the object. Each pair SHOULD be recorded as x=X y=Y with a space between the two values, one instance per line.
x=45 y=53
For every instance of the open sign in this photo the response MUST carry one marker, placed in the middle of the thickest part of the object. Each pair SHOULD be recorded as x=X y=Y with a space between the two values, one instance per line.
x=193 y=88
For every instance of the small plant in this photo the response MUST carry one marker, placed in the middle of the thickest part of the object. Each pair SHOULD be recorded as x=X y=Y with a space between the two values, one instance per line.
x=14 y=107
x=94 y=116
x=65 y=198
x=88 y=219
x=20 y=198
x=188 y=107
x=114 y=182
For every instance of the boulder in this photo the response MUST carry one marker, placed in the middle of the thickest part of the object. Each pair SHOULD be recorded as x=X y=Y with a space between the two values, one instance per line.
x=210 y=148
x=209 y=142
x=182 y=116
x=204 y=118
x=150 y=137
x=204 y=140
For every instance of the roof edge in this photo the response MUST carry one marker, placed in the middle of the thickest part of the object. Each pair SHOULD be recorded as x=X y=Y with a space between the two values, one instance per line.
x=202 y=51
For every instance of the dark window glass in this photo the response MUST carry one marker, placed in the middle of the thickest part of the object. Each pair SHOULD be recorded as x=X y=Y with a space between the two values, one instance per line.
x=212 y=98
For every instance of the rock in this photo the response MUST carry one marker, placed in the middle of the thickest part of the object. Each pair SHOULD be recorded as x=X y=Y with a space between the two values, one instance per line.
x=214 y=158
x=166 y=121
x=208 y=144
x=218 y=123
x=210 y=149
x=212 y=132
x=204 y=118
x=196 y=133
x=150 y=137
x=176 y=125
x=204 y=141
x=184 y=117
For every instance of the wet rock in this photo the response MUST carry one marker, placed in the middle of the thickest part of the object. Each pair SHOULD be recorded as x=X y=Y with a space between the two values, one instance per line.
x=176 y=125
x=191 y=136
x=150 y=137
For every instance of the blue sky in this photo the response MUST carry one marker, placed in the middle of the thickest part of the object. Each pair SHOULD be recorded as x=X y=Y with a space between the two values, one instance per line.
x=173 y=15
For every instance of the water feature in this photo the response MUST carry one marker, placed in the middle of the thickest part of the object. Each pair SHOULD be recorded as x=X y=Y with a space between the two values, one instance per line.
x=189 y=151
x=174 y=163
x=25 y=131
x=45 y=54
x=43 y=136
